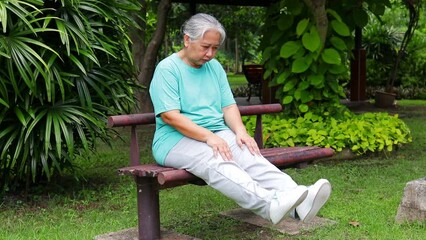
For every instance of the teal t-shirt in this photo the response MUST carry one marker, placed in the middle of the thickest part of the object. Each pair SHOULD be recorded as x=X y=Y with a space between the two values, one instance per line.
x=199 y=94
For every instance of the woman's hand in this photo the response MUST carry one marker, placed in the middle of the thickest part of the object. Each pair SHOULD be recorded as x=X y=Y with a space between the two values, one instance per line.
x=219 y=146
x=233 y=120
x=244 y=138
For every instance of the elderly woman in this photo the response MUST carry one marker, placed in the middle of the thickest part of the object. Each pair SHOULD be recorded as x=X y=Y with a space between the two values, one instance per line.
x=199 y=129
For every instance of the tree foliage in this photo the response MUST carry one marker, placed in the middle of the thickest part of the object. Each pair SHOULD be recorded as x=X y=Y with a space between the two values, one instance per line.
x=66 y=65
x=243 y=26
x=414 y=8
x=307 y=48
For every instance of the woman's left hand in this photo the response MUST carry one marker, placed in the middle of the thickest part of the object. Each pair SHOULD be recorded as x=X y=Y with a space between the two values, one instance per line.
x=245 y=139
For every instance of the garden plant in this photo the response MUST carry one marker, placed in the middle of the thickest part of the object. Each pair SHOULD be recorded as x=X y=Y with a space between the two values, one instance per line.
x=65 y=66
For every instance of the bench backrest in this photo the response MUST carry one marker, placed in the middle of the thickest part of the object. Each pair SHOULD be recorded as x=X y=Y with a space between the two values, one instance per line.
x=149 y=118
x=134 y=120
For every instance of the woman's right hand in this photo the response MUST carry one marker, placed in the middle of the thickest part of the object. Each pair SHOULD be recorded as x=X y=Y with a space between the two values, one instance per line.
x=188 y=128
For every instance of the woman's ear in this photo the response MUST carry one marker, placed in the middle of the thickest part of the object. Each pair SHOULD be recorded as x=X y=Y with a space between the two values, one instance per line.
x=186 y=40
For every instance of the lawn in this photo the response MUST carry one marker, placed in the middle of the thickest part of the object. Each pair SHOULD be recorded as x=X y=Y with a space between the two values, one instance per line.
x=236 y=80
x=364 y=202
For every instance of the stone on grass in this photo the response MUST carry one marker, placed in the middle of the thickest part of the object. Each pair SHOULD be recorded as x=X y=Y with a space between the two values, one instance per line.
x=413 y=204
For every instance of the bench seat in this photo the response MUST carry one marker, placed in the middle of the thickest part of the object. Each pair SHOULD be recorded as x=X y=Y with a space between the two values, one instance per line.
x=280 y=157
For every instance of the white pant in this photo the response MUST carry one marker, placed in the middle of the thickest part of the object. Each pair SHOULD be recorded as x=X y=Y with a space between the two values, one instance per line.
x=251 y=181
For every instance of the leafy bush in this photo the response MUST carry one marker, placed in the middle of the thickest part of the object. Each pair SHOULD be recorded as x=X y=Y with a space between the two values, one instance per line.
x=413 y=67
x=381 y=44
x=305 y=68
x=368 y=132
x=65 y=66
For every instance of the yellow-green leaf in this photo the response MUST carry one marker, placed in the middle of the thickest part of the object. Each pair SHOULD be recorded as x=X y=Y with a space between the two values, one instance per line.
x=299 y=65
x=316 y=79
x=302 y=26
x=287 y=99
x=331 y=56
x=303 y=108
x=289 y=49
x=340 y=28
x=311 y=40
x=338 y=43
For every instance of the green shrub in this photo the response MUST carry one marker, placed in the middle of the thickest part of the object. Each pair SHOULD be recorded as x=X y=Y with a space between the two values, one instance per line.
x=413 y=67
x=65 y=66
x=381 y=44
x=361 y=133
x=307 y=62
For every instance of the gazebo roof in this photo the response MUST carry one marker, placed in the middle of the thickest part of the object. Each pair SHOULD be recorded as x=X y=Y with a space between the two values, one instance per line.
x=229 y=2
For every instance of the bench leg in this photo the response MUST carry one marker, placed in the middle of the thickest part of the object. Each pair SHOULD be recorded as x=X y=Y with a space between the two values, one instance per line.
x=148 y=208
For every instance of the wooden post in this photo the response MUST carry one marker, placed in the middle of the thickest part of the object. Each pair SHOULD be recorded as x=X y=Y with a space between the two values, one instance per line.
x=358 y=70
x=148 y=208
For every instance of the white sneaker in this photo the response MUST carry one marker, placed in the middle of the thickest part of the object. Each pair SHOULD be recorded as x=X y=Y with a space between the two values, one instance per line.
x=318 y=195
x=286 y=202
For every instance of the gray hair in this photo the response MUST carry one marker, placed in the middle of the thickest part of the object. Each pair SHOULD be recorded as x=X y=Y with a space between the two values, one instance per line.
x=196 y=26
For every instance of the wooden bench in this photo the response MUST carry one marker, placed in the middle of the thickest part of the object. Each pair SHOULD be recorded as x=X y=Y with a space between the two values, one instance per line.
x=151 y=178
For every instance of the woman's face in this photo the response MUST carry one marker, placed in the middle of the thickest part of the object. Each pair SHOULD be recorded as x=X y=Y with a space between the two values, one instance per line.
x=202 y=50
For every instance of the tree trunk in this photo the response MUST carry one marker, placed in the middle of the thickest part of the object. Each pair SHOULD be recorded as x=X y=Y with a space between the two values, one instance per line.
x=414 y=8
x=317 y=8
x=147 y=56
x=237 y=56
x=138 y=36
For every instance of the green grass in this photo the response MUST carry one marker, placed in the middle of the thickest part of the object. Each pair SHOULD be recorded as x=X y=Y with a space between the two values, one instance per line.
x=236 y=80
x=366 y=191
x=411 y=102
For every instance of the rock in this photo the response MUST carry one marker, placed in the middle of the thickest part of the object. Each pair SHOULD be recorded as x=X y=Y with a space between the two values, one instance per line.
x=413 y=204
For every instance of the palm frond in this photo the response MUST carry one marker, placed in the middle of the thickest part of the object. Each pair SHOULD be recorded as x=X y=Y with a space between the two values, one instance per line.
x=65 y=68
